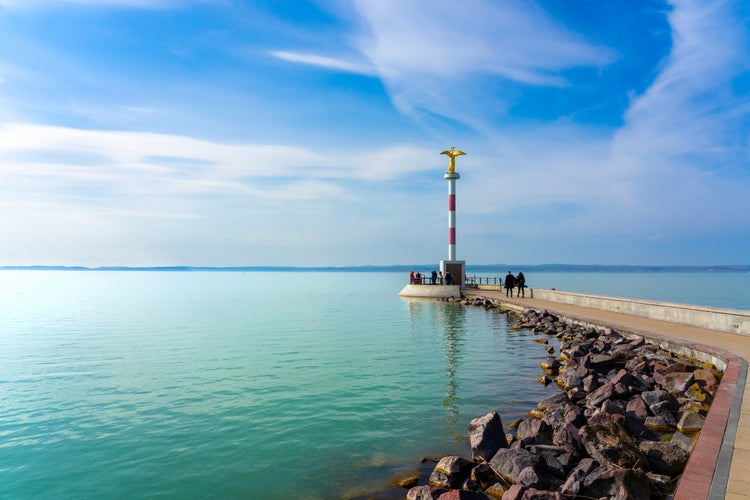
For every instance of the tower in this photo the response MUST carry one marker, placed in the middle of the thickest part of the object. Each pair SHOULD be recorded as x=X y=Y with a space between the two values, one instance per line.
x=456 y=267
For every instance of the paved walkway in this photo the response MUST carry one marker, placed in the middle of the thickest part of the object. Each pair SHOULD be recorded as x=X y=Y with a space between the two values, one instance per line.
x=719 y=465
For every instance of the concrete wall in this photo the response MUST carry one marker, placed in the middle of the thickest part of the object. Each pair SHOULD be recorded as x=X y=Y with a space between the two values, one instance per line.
x=434 y=291
x=724 y=320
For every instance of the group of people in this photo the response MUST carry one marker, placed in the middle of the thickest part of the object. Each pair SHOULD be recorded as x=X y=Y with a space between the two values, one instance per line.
x=436 y=277
x=515 y=281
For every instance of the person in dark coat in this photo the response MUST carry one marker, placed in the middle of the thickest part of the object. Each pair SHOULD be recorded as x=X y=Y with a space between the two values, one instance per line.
x=521 y=284
x=510 y=282
x=434 y=276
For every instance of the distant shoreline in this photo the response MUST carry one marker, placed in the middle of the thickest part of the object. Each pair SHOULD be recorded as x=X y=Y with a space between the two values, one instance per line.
x=470 y=269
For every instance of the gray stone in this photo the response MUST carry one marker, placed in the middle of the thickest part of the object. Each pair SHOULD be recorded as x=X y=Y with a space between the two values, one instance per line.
x=531 y=427
x=678 y=381
x=691 y=422
x=637 y=408
x=530 y=478
x=486 y=436
x=534 y=494
x=608 y=443
x=450 y=472
x=665 y=457
x=574 y=483
x=616 y=483
x=424 y=492
x=509 y=462
x=515 y=492
x=462 y=495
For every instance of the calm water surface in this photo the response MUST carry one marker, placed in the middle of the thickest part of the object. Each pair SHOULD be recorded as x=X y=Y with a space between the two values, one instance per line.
x=263 y=385
x=254 y=385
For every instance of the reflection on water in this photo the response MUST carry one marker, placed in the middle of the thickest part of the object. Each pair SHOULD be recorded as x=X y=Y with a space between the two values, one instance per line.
x=452 y=331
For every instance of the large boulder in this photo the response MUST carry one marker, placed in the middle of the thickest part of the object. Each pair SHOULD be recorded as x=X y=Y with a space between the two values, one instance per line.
x=665 y=457
x=509 y=462
x=486 y=436
x=450 y=472
x=616 y=483
x=609 y=444
x=424 y=492
x=690 y=422
x=462 y=495
x=573 y=485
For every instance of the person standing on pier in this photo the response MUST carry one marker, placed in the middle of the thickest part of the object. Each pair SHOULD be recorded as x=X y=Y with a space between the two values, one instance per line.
x=433 y=277
x=521 y=284
x=510 y=282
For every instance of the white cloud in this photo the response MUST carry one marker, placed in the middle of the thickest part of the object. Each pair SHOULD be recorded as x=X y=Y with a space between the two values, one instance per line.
x=324 y=62
x=429 y=52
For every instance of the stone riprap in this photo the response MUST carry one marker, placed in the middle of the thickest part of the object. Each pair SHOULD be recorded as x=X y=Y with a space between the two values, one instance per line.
x=622 y=425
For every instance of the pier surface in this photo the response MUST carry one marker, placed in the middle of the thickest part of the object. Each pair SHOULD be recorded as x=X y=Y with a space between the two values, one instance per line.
x=719 y=465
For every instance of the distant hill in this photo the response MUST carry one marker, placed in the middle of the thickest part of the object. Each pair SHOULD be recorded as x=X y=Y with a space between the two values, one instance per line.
x=473 y=269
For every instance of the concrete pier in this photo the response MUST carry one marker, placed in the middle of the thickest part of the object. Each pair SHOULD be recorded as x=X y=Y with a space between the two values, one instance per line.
x=431 y=291
x=719 y=465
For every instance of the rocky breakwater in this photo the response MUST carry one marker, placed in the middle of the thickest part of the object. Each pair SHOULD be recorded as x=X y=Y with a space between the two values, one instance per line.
x=622 y=425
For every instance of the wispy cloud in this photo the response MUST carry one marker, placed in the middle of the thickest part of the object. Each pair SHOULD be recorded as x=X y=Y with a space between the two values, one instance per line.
x=677 y=167
x=428 y=52
x=324 y=62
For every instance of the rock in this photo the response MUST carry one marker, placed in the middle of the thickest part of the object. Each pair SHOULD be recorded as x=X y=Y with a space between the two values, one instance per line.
x=407 y=479
x=614 y=406
x=515 y=492
x=608 y=443
x=450 y=472
x=665 y=410
x=424 y=492
x=601 y=394
x=550 y=454
x=665 y=457
x=574 y=483
x=683 y=441
x=567 y=437
x=483 y=475
x=654 y=397
x=531 y=427
x=551 y=366
x=462 y=495
x=534 y=494
x=530 y=478
x=660 y=484
x=706 y=380
x=554 y=400
x=659 y=424
x=678 y=381
x=637 y=408
x=509 y=462
x=616 y=483
x=697 y=393
x=690 y=422
x=486 y=436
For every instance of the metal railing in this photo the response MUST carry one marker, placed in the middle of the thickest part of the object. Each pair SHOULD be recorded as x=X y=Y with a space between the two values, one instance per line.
x=470 y=281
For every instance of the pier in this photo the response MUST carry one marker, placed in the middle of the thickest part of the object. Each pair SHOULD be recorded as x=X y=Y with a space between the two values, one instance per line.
x=719 y=464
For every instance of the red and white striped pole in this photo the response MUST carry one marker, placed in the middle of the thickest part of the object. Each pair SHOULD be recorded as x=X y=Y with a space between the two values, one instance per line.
x=452 y=176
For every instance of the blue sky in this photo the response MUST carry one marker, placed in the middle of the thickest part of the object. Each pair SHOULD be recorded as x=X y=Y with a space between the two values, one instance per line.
x=229 y=132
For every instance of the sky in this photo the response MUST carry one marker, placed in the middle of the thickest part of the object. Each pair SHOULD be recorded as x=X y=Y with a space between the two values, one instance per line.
x=309 y=132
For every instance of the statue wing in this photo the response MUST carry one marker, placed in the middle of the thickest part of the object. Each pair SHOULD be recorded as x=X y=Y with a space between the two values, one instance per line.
x=458 y=153
x=446 y=153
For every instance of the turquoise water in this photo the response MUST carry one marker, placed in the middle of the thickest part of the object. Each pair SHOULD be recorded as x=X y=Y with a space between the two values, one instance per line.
x=252 y=385
x=714 y=289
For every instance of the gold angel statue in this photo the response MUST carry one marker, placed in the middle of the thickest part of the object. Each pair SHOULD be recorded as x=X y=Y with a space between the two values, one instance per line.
x=452 y=153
